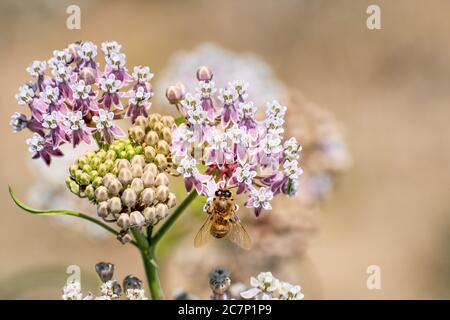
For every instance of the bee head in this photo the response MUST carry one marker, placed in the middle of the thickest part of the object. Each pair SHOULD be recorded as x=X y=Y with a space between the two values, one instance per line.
x=223 y=193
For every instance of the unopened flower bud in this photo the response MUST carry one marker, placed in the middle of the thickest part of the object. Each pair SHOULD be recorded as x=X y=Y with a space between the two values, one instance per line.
x=158 y=126
x=161 y=211
x=105 y=270
x=72 y=169
x=110 y=155
x=124 y=221
x=136 y=171
x=149 y=153
x=161 y=161
x=107 y=179
x=129 y=197
x=88 y=75
x=97 y=182
x=137 y=219
x=151 y=167
x=162 y=179
x=153 y=118
x=204 y=74
x=123 y=163
x=73 y=49
x=141 y=121
x=137 y=133
x=182 y=88
x=163 y=147
x=93 y=174
x=85 y=179
x=124 y=238
x=166 y=133
x=74 y=187
x=95 y=162
x=102 y=209
x=173 y=94
x=89 y=192
x=137 y=185
x=148 y=179
x=147 y=196
x=82 y=161
x=171 y=200
x=151 y=138
x=101 y=194
x=114 y=205
x=109 y=164
x=114 y=187
x=138 y=160
x=102 y=169
x=162 y=193
x=125 y=176
x=149 y=214
x=131 y=282
x=167 y=121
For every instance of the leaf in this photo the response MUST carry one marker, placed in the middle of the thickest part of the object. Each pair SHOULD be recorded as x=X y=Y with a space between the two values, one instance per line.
x=39 y=212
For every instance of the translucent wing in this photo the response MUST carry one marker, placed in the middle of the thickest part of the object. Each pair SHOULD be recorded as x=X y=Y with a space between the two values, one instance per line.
x=204 y=234
x=238 y=234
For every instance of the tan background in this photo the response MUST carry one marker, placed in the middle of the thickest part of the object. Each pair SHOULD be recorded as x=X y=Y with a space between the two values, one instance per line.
x=390 y=89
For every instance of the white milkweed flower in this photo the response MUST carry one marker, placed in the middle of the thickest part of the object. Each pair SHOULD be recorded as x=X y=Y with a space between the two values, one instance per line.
x=110 y=47
x=25 y=95
x=261 y=198
x=50 y=94
x=87 y=51
x=245 y=174
x=104 y=119
x=266 y=287
x=276 y=109
x=139 y=97
x=271 y=144
x=50 y=120
x=247 y=109
x=108 y=289
x=191 y=101
x=291 y=149
x=110 y=84
x=116 y=60
x=228 y=96
x=291 y=169
x=206 y=89
x=240 y=87
x=142 y=74
x=188 y=167
x=197 y=115
x=74 y=120
x=81 y=90
x=37 y=68
x=18 y=121
x=36 y=143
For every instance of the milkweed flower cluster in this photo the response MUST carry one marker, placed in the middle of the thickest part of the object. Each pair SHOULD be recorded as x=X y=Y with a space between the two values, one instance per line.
x=71 y=99
x=128 y=187
x=221 y=133
x=267 y=287
x=110 y=289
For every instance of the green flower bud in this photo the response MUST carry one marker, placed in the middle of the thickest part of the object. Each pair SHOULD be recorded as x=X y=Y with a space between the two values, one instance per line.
x=82 y=161
x=102 y=169
x=109 y=164
x=93 y=174
x=95 y=162
x=147 y=196
x=137 y=185
x=163 y=147
x=87 y=168
x=85 y=179
x=129 y=197
x=72 y=170
x=102 y=209
x=101 y=194
x=114 y=205
x=123 y=154
x=97 y=181
x=74 y=188
x=110 y=155
x=78 y=174
x=101 y=154
x=90 y=154
x=130 y=153
x=138 y=150
x=89 y=191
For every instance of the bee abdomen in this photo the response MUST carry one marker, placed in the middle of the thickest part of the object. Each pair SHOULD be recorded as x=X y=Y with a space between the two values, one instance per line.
x=219 y=230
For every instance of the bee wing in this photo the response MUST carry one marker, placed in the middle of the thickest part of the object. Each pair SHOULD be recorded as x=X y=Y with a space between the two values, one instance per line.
x=204 y=234
x=238 y=234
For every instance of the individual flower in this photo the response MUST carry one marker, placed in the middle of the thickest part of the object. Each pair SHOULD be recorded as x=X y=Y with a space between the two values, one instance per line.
x=275 y=109
x=110 y=47
x=50 y=95
x=192 y=178
x=37 y=68
x=260 y=199
x=110 y=85
x=111 y=289
x=266 y=287
x=206 y=89
x=76 y=128
x=240 y=87
x=52 y=122
x=138 y=103
x=87 y=52
x=42 y=148
x=18 y=121
x=116 y=60
x=243 y=177
x=25 y=95
x=142 y=74
x=105 y=125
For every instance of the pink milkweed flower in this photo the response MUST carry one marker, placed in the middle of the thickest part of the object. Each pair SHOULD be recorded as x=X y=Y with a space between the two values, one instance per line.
x=243 y=177
x=52 y=122
x=83 y=97
x=192 y=177
x=76 y=128
x=259 y=199
x=105 y=125
x=87 y=52
x=229 y=113
x=138 y=103
x=110 y=85
x=42 y=148
x=247 y=113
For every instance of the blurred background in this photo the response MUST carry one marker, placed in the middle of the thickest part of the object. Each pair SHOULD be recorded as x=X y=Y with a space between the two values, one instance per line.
x=381 y=97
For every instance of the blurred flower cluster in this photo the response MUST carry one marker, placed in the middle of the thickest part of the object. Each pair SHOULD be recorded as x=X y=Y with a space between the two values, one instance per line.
x=128 y=188
x=110 y=289
x=71 y=99
x=266 y=287
x=240 y=152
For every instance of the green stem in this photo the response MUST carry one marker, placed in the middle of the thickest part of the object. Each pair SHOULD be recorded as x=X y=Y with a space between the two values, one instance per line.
x=29 y=209
x=173 y=217
x=151 y=268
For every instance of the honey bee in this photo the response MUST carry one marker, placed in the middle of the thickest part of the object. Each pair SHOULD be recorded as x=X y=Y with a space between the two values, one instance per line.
x=221 y=221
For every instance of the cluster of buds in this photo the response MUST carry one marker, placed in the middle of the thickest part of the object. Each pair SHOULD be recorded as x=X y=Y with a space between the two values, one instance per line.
x=131 y=193
x=266 y=287
x=77 y=101
x=110 y=289
x=154 y=135
x=221 y=133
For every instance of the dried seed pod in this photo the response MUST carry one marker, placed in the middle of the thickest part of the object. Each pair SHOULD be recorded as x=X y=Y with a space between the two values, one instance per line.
x=114 y=205
x=124 y=221
x=171 y=200
x=129 y=197
x=136 y=171
x=150 y=153
x=151 y=138
x=162 y=193
x=151 y=167
x=101 y=194
x=161 y=179
x=102 y=209
x=148 y=179
x=161 y=211
x=138 y=160
x=161 y=161
x=125 y=176
x=163 y=147
x=147 y=196
x=137 y=219
x=123 y=163
x=114 y=187
x=137 y=185
x=149 y=214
